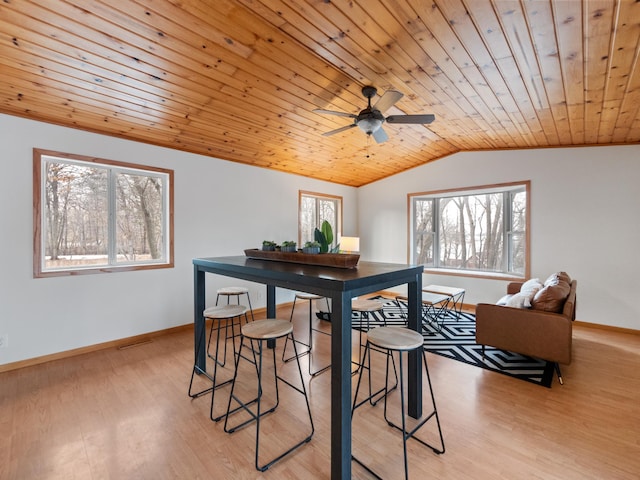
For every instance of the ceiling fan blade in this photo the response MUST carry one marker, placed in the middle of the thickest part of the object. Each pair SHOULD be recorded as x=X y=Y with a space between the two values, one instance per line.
x=333 y=112
x=380 y=135
x=421 y=119
x=387 y=100
x=338 y=130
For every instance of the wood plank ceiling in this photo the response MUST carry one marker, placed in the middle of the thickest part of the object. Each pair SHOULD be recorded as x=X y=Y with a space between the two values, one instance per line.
x=239 y=79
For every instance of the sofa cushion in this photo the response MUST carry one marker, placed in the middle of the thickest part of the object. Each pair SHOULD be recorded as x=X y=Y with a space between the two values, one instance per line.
x=519 y=300
x=529 y=290
x=552 y=296
x=558 y=276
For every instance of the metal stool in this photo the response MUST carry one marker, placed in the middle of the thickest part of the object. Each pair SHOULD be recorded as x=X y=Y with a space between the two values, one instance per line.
x=229 y=313
x=235 y=292
x=260 y=332
x=401 y=340
x=216 y=314
x=230 y=292
x=310 y=297
x=364 y=307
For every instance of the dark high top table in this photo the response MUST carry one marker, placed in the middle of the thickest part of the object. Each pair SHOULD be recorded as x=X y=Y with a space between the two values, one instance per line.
x=340 y=285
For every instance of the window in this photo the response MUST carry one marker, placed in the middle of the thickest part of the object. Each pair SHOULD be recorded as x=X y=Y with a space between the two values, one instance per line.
x=313 y=209
x=483 y=229
x=93 y=215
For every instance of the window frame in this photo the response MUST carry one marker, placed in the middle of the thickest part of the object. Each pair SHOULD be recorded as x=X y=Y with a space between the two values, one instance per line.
x=112 y=165
x=511 y=188
x=337 y=230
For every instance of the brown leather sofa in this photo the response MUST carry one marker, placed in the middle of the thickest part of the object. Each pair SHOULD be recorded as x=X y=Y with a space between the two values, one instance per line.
x=536 y=332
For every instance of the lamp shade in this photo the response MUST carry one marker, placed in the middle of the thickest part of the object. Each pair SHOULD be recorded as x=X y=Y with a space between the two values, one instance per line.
x=350 y=244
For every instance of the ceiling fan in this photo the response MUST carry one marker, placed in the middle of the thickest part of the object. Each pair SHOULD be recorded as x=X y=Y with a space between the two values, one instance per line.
x=370 y=119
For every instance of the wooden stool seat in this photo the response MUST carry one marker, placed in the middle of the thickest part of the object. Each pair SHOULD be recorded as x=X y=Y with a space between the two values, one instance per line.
x=365 y=305
x=308 y=296
x=267 y=329
x=232 y=291
x=222 y=312
x=395 y=338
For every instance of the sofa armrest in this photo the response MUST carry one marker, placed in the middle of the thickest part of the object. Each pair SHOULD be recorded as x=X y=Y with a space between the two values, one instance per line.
x=530 y=332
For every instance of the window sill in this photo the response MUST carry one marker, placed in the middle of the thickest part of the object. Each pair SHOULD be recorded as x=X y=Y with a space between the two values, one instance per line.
x=474 y=274
x=105 y=269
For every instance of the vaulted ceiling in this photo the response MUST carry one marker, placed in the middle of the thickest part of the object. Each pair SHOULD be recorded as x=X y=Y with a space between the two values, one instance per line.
x=239 y=79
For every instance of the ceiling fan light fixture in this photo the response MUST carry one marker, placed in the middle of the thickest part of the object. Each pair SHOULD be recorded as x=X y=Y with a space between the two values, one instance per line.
x=369 y=125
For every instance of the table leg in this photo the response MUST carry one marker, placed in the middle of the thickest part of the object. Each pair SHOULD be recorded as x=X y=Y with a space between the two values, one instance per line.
x=341 y=386
x=414 y=365
x=271 y=309
x=198 y=318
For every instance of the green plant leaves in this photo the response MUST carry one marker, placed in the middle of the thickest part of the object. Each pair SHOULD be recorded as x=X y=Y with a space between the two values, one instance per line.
x=324 y=236
x=322 y=240
x=327 y=231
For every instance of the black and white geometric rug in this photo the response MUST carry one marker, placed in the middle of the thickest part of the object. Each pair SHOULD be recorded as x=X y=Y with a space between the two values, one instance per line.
x=456 y=340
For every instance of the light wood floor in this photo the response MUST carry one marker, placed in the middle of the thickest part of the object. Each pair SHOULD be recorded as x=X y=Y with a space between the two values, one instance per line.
x=125 y=414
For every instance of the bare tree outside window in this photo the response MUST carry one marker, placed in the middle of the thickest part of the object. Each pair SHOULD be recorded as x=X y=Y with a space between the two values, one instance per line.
x=75 y=215
x=482 y=230
x=517 y=234
x=139 y=213
x=314 y=208
x=424 y=231
x=471 y=232
x=96 y=215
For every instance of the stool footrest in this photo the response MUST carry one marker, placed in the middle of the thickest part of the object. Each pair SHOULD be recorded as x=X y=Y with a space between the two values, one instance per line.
x=199 y=371
x=300 y=354
x=410 y=433
x=366 y=467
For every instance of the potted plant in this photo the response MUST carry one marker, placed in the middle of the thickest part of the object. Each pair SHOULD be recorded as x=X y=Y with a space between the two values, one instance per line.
x=311 y=247
x=324 y=236
x=268 y=245
x=289 y=246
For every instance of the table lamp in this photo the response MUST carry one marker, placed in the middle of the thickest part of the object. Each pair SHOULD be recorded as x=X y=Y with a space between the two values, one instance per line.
x=350 y=244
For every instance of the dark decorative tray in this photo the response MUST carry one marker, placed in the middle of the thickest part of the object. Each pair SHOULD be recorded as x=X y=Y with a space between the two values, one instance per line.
x=338 y=260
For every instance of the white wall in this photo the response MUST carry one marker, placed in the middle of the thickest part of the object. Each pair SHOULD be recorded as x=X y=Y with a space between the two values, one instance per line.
x=584 y=220
x=221 y=208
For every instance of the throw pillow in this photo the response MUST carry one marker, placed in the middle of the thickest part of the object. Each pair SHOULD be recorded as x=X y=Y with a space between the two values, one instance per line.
x=532 y=283
x=504 y=300
x=564 y=277
x=518 y=301
x=529 y=290
x=551 y=298
x=559 y=276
